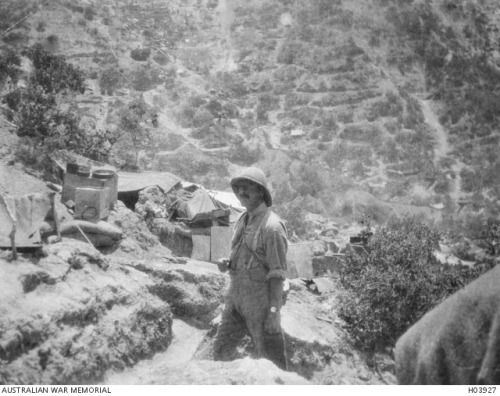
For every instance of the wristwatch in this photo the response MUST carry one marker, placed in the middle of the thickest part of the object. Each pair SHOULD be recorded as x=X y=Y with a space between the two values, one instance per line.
x=273 y=309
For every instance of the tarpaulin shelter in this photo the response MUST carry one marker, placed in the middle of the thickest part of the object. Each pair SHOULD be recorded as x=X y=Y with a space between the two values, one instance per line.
x=130 y=183
x=27 y=213
x=209 y=215
x=190 y=204
x=228 y=200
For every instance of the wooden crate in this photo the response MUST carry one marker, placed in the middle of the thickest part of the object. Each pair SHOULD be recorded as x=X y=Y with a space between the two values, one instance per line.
x=72 y=182
x=91 y=204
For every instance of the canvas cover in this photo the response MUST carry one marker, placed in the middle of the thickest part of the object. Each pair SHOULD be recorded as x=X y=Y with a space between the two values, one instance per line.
x=30 y=212
x=131 y=181
x=189 y=204
x=299 y=260
x=228 y=200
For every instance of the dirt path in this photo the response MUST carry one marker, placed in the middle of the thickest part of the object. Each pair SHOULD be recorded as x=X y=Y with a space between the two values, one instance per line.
x=443 y=148
x=186 y=340
x=225 y=9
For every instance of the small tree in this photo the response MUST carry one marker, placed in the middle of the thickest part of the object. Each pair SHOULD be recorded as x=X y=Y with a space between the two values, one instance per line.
x=134 y=135
x=110 y=78
x=10 y=65
x=37 y=110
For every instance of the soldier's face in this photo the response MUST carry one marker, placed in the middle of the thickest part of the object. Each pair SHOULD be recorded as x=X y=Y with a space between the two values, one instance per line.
x=249 y=194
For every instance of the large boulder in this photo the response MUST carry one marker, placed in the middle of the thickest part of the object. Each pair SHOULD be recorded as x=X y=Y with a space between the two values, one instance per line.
x=68 y=317
x=195 y=290
x=458 y=341
x=137 y=235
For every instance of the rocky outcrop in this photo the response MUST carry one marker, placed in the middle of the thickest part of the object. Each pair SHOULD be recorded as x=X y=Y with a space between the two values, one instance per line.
x=68 y=317
x=194 y=290
x=135 y=230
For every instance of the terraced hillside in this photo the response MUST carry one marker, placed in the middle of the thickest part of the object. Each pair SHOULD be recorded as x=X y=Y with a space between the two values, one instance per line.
x=353 y=108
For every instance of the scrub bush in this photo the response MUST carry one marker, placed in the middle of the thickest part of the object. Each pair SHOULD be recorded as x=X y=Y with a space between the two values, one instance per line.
x=140 y=54
x=395 y=283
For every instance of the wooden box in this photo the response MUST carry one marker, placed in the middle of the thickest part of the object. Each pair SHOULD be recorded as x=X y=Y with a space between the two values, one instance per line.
x=91 y=204
x=72 y=182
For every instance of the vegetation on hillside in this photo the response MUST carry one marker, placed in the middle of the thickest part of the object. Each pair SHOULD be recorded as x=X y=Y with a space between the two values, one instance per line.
x=396 y=282
x=43 y=110
x=458 y=45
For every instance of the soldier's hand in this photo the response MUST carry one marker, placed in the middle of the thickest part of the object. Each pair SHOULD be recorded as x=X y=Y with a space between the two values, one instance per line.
x=272 y=324
x=223 y=264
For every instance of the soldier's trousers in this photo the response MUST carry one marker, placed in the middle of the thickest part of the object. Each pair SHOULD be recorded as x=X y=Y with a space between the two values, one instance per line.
x=247 y=306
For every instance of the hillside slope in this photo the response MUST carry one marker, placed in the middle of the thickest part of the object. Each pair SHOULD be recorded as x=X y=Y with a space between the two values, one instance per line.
x=329 y=97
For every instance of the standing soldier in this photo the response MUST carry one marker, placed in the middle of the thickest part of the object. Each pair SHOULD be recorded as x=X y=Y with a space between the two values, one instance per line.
x=257 y=267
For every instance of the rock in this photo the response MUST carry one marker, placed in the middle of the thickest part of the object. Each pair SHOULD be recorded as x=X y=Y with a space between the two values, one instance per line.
x=75 y=253
x=152 y=203
x=310 y=342
x=133 y=227
x=363 y=375
x=384 y=362
x=97 y=240
x=194 y=290
x=296 y=284
x=319 y=248
x=70 y=327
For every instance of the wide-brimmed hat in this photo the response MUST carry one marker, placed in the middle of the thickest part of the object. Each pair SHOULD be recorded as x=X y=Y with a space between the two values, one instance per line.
x=255 y=175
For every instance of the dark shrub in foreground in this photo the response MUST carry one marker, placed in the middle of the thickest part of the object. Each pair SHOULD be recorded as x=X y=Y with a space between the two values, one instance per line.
x=395 y=283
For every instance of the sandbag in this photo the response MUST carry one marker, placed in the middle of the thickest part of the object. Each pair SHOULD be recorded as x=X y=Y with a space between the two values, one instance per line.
x=98 y=240
x=100 y=228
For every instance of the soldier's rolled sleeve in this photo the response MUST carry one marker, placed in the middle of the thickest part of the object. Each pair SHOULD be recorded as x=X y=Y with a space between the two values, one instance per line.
x=276 y=248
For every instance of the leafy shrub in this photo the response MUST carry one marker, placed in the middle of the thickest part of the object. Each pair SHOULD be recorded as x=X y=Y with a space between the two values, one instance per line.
x=10 y=65
x=202 y=117
x=36 y=109
x=308 y=181
x=15 y=38
x=140 y=54
x=245 y=154
x=294 y=216
x=161 y=58
x=291 y=52
x=346 y=117
x=53 y=74
x=89 y=13
x=52 y=43
x=362 y=133
x=470 y=180
x=233 y=83
x=42 y=124
x=134 y=136
x=146 y=78
x=392 y=106
x=186 y=115
x=230 y=110
x=213 y=106
x=336 y=155
x=109 y=80
x=74 y=7
x=395 y=284
x=41 y=26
